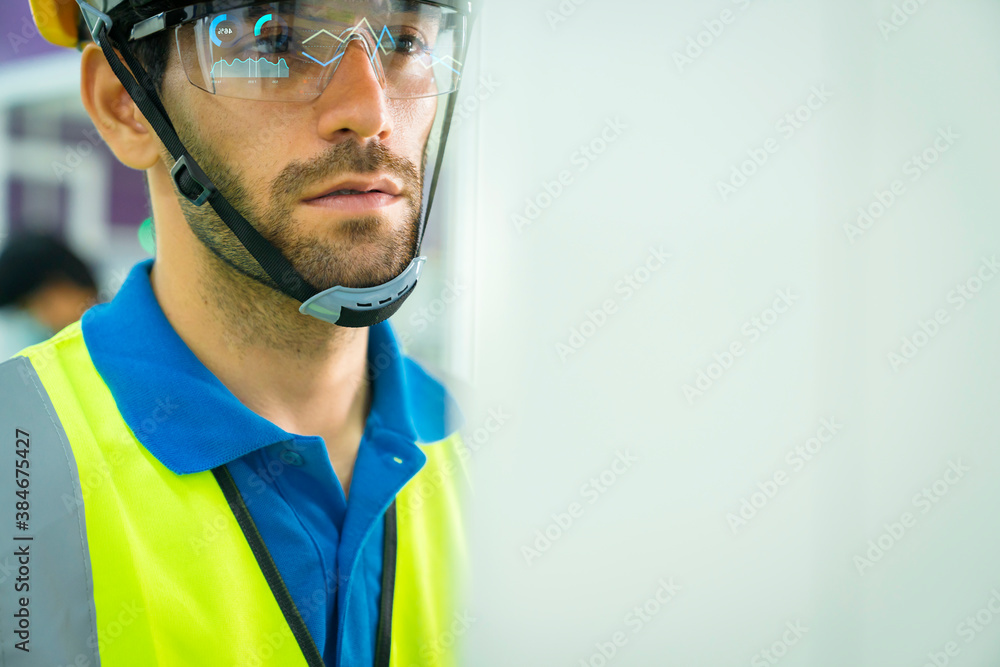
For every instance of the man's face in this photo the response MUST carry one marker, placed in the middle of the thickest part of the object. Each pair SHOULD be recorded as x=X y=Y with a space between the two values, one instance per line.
x=278 y=162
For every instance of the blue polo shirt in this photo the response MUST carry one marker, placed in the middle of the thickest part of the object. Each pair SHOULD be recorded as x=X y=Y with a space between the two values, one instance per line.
x=328 y=550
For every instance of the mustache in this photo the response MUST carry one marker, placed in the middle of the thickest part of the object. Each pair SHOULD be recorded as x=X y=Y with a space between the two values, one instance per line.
x=348 y=157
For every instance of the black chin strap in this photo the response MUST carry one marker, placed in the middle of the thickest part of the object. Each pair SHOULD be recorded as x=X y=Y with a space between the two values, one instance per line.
x=190 y=180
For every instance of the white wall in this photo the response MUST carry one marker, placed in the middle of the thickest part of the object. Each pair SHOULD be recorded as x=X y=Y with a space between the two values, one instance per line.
x=856 y=296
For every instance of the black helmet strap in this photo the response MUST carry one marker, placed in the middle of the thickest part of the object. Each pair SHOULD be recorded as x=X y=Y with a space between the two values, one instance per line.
x=190 y=180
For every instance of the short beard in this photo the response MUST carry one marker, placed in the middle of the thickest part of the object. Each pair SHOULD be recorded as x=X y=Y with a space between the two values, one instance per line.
x=256 y=311
x=321 y=264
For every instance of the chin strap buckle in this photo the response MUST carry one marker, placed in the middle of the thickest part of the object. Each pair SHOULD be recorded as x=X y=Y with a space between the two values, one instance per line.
x=191 y=181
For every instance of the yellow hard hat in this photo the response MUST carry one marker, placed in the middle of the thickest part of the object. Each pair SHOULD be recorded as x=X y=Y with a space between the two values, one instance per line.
x=58 y=21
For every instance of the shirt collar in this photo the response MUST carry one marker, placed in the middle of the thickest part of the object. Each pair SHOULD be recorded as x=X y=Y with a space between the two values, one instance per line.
x=189 y=420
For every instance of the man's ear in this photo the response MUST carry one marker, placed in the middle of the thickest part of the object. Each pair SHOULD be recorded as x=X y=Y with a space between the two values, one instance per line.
x=115 y=115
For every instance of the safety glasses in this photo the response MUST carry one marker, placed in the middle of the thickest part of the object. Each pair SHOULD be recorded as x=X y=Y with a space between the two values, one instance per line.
x=291 y=50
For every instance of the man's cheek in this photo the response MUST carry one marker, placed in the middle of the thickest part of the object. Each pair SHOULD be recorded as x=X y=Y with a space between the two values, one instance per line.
x=414 y=118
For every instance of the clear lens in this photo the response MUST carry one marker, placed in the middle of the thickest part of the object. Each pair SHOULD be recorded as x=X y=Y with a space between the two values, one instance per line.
x=289 y=51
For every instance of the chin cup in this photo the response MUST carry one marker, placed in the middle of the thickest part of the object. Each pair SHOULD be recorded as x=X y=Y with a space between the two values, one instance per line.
x=364 y=306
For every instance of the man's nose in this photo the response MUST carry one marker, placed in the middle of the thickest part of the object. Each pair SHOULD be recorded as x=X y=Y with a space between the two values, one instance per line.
x=354 y=101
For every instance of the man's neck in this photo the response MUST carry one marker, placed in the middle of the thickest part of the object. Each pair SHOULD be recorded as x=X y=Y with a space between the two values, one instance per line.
x=304 y=375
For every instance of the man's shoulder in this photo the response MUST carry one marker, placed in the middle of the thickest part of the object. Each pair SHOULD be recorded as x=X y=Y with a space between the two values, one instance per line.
x=41 y=355
x=30 y=377
x=69 y=336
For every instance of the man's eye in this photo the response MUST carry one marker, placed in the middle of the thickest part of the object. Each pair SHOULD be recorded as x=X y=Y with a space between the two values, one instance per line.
x=410 y=45
x=273 y=44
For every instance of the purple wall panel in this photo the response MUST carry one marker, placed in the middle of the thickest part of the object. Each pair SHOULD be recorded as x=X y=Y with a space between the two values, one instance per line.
x=18 y=36
x=18 y=207
x=129 y=205
x=15 y=202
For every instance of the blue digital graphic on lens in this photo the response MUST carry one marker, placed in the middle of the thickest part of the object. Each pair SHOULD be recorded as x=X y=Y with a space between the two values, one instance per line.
x=223 y=32
x=260 y=23
x=251 y=68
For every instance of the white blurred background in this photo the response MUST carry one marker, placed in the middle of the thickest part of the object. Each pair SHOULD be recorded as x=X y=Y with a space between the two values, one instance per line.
x=719 y=277
x=845 y=549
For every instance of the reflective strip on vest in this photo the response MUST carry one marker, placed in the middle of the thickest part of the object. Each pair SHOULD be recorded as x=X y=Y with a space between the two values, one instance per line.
x=46 y=591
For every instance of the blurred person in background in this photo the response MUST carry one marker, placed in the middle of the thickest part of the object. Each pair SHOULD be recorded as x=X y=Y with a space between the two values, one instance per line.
x=41 y=275
x=245 y=468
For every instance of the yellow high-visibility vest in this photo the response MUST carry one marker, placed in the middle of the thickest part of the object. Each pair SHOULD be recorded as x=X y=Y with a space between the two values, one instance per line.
x=103 y=534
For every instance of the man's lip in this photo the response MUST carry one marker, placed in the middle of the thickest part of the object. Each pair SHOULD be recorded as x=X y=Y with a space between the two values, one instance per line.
x=381 y=184
x=354 y=204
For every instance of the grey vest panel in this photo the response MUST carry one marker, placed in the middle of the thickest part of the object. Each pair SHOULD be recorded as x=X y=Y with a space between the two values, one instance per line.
x=47 y=614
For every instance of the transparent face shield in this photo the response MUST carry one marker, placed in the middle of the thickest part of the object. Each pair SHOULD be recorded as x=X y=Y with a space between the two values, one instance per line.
x=290 y=51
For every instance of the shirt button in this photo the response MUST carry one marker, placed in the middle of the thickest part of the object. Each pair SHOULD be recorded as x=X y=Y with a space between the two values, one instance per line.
x=290 y=457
